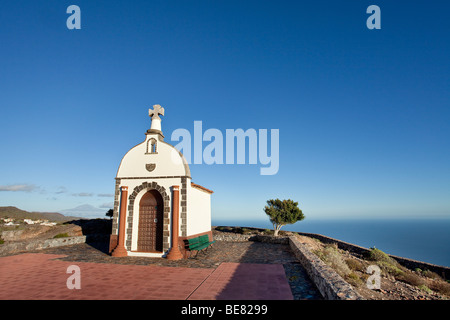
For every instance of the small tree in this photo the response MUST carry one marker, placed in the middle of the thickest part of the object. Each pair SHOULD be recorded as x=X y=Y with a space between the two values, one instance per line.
x=110 y=213
x=282 y=212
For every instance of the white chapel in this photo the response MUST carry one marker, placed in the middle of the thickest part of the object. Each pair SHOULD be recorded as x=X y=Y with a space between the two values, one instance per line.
x=156 y=205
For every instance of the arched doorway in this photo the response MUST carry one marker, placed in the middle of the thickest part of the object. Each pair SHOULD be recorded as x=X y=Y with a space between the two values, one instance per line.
x=150 y=228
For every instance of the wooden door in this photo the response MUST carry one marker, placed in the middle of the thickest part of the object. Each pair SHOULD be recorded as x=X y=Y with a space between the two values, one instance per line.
x=150 y=228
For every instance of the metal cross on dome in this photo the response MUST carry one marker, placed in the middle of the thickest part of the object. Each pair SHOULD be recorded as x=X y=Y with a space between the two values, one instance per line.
x=157 y=110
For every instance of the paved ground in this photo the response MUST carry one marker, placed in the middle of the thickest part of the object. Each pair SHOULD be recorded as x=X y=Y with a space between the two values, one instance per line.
x=228 y=270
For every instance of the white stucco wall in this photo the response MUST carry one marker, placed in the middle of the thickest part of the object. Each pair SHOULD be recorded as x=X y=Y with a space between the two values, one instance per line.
x=198 y=211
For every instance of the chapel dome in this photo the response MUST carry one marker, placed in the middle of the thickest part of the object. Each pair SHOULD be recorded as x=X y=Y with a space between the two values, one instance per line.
x=153 y=157
x=164 y=161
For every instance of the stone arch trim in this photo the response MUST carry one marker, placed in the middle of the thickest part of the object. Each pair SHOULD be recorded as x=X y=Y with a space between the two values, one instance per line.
x=147 y=186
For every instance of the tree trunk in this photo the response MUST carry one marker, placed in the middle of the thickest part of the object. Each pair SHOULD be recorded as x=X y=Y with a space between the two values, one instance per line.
x=276 y=228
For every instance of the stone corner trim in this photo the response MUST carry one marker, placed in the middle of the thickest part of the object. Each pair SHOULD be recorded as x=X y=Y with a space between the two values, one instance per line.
x=330 y=284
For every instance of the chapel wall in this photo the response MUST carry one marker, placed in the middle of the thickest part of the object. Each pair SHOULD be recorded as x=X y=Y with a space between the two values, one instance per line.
x=199 y=214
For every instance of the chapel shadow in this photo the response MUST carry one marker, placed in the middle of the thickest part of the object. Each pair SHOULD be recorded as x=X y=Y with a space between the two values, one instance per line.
x=97 y=232
x=268 y=271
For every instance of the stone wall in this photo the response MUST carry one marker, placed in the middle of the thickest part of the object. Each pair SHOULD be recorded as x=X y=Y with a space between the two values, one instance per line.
x=238 y=237
x=230 y=236
x=28 y=232
x=20 y=246
x=24 y=234
x=330 y=284
x=270 y=239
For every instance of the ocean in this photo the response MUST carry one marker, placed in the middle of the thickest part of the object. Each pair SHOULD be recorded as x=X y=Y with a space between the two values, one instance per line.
x=418 y=239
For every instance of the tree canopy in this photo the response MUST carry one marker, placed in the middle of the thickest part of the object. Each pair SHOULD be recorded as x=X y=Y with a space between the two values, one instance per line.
x=110 y=213
x=282 y=212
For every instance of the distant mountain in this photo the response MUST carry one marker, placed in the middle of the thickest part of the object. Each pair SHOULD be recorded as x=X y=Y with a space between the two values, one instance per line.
x=13 y=212
x=85 y=211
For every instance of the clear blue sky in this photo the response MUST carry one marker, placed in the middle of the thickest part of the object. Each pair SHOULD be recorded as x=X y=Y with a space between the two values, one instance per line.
x=363 y=114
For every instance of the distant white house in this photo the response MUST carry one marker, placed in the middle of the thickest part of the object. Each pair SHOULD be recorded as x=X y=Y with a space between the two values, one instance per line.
x=11 y=222
x=49 y=224
x=39 y=222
